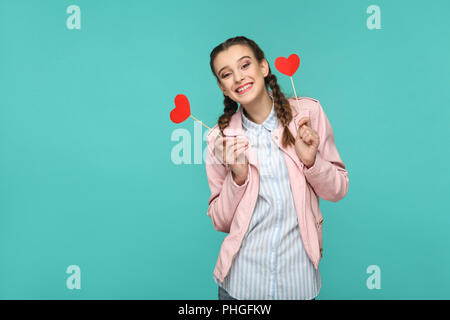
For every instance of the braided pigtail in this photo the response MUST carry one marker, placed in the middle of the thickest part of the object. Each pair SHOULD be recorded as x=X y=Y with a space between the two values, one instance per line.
x=230 y=109
x=282 y=109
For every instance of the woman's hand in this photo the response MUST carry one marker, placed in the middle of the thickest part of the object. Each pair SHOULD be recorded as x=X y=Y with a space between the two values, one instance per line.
x=231 y=151
x=306 y=142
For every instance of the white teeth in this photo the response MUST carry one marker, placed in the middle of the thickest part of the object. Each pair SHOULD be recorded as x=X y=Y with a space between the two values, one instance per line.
x=242 y=89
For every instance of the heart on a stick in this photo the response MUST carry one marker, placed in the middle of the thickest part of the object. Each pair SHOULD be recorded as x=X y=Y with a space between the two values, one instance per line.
x=182 y=109
x=288 y=66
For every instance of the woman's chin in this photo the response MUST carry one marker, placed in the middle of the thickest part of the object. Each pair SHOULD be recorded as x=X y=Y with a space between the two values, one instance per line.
x=246 y=98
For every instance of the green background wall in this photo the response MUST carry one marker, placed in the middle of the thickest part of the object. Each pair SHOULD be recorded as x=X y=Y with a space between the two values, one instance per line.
x=86 y=173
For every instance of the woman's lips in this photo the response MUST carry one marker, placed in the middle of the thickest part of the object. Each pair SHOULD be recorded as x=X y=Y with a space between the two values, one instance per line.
x=242 y=92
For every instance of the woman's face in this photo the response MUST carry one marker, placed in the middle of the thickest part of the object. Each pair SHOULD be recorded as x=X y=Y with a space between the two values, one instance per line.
x=236 y=67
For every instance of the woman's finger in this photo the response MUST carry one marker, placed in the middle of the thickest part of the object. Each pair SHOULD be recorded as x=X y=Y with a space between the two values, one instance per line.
x=301 y=132
x=303 y=121
x=240 y=155
x=307 y=138
x=305 y=131
x=224 y=147
x=218 y=149
x=232 y=151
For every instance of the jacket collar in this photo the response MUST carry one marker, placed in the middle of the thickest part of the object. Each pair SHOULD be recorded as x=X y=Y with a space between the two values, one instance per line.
x=234 y=128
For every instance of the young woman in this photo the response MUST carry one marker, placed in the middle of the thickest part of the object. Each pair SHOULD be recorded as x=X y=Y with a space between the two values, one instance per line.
x=268 y=163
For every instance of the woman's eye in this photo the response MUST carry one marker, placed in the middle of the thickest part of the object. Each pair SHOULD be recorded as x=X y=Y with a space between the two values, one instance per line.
x=226 y=74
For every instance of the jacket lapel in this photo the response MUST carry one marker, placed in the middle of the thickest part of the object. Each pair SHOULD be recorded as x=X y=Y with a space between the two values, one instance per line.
x=277 y=135
x=278 y=132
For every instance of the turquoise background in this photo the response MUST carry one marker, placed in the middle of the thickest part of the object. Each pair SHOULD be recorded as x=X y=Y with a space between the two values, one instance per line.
x=86 y=176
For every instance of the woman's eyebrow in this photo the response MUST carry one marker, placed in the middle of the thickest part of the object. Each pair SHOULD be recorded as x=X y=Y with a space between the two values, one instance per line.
x=236 y=61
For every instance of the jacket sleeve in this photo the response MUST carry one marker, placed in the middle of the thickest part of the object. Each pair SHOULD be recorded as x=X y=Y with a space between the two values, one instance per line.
x=328 y=175
x=225 y=193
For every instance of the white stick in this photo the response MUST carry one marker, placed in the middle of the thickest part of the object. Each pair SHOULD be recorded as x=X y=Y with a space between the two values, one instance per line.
x=298 y=103
x=203 y=123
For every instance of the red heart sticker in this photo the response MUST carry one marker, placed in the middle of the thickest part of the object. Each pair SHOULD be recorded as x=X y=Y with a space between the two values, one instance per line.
x=182 y=109
x=288 y=66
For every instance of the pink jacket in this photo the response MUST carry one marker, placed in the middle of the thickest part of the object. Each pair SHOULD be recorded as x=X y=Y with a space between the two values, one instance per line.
x=231 y=206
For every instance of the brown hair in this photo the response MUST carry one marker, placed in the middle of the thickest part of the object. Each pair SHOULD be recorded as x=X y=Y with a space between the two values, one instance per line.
x=281 y=104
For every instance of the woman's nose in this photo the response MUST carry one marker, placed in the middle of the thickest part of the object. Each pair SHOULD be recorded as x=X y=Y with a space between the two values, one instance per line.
x=239 y=77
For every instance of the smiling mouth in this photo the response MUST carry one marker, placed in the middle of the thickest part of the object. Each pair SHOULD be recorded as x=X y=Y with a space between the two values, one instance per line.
x=244 y=89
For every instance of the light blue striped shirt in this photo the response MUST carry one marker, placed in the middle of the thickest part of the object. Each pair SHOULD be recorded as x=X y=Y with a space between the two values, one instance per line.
x=272 y=263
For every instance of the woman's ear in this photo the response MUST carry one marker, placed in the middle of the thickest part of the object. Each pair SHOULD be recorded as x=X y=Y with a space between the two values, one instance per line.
x=264 y=65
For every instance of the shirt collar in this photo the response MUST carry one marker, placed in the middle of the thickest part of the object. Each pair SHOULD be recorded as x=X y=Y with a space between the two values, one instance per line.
x=270 y=123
